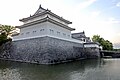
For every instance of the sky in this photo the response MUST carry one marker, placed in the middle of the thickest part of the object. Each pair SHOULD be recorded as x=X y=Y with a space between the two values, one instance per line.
x=95 y=17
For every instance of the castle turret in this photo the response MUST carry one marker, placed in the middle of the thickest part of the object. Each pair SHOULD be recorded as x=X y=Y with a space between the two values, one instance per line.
x=44 y=23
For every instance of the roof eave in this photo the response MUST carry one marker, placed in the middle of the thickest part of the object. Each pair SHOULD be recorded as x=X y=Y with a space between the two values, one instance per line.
x=58 y=23
x=31 y=17
x=68 y=22
x=47 y=19
x=92 y=43
x=45 y=12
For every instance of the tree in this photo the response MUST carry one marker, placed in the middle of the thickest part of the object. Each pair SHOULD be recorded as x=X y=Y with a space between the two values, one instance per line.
x=107 y=45
x=96 y=38
x=5 y=32
x=8 y=30
x=3 y=38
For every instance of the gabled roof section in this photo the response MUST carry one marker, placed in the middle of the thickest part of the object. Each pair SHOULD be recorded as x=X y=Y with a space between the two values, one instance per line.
x=40 y=10
x=79 y=35
x=44 y=20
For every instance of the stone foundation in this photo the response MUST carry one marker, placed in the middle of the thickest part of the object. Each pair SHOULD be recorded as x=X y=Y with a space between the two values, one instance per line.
x=43 y=50
x=46 y=50
x=92 y=52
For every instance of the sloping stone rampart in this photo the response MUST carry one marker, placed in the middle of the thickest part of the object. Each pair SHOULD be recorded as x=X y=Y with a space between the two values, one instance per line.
x=46 y=50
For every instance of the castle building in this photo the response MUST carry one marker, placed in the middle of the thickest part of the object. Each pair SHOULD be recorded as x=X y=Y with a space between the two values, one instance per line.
x=45 y=23
x=81 y=36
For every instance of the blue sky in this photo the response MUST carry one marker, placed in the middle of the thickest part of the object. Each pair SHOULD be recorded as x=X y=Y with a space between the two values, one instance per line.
x=93 y=16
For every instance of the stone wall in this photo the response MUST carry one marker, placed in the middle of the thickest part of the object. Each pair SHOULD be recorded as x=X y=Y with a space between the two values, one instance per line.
x=92 y=52
x=44 y=50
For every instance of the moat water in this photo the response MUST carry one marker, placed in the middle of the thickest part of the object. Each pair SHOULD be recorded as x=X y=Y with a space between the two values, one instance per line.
x=104 y=69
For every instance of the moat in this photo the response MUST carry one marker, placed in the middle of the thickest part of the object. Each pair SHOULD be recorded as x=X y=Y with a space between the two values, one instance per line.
x=104 y=69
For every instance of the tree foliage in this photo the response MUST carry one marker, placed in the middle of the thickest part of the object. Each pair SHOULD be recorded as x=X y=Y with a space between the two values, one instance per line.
x=3 y=38
x=8 y=30
x=106 y=45
x=5 y=32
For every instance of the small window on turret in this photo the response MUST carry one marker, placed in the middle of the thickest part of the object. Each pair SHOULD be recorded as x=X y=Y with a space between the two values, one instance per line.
x=42 y=29
x=84 y=40
x=64 y=34
x=34 y=31
x=27 y=32
x=58 y=32
x=68 y=35
x=51 y=30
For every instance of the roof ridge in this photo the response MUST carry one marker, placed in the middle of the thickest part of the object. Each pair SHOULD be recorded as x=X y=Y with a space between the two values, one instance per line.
x=40 y=9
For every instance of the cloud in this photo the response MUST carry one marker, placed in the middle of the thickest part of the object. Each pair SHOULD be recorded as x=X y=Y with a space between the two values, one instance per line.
x=94 y=14
x=113 y=21
x=116 y=38
x=93 y=25
x=85 y=4
x=116 y=45
x=118 y=4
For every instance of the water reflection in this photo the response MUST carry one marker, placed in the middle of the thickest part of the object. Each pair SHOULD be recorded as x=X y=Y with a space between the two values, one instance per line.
x=103 y=69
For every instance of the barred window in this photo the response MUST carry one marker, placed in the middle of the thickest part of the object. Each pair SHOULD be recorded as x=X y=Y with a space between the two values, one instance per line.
x=64 y=34
x=34 y=31
x=41 y=29
x=68 y=35
x=51 y=30
x=27 y=32
x=58 y=32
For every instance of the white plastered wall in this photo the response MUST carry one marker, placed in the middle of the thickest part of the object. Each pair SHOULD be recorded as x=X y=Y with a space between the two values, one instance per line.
x=91 y=45
x=45 y=29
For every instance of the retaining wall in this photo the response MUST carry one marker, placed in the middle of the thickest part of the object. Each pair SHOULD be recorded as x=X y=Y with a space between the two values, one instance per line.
x=43 y=50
